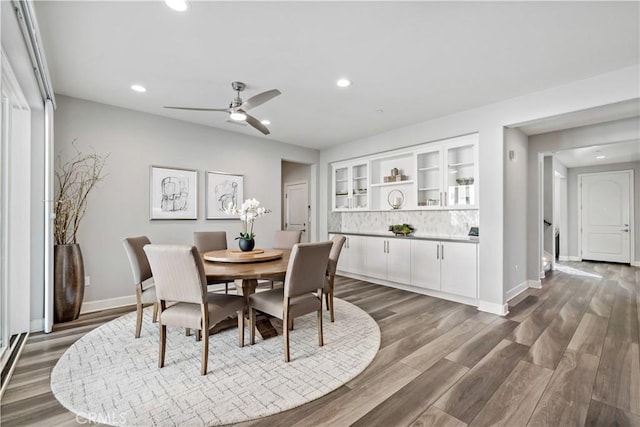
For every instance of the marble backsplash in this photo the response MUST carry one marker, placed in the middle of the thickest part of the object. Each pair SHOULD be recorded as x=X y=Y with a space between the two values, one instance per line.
x=433 y=223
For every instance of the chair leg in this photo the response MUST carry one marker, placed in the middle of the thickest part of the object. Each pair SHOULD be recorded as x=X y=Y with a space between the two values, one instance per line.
x=199 y=334
x=163 y=344
x=326 y=300
x=291 y=325
x=252 y=325
x=187 y=332
x=272 y=284
x=226 y=287
x=330 y=295
x=285 y=331
x=155 y=312
x=205 y=351
x=320 y=338
x=240 y=328
x=138 y=318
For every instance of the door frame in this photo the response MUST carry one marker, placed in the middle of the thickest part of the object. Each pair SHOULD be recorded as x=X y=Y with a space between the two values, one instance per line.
x=632 y=240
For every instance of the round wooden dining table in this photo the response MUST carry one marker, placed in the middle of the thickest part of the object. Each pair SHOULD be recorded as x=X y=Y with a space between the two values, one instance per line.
x=245 y=269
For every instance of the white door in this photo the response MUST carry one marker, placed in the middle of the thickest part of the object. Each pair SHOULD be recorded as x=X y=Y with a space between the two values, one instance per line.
x=605 y=216
x=297 y=208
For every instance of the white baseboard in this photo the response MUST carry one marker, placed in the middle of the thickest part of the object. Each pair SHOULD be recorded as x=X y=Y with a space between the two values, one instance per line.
x=564 y=258
x=37 y=325
x=517 y=290
x=492 y=307
x=635 y=264
x=575 y=258
x=104 y=304
x=535 y=284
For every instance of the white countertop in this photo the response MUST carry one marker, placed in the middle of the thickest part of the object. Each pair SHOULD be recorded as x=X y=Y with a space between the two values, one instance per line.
x=416 y=236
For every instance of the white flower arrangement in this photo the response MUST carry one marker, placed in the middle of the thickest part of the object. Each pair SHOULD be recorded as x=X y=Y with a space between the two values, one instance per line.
x=249 y=211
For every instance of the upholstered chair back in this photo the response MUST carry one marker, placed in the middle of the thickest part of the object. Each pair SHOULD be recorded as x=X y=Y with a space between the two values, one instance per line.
x=207 y=241
x=307 y=268
x=178 y=273
x=133 y=246
x=285 y=239
x=336 y=248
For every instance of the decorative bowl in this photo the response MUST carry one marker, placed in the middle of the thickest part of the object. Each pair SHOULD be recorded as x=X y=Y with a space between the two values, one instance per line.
x=401 y=229
x=465 y=181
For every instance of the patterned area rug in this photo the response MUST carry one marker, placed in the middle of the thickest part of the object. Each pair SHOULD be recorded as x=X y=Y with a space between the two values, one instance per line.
x=110 y=377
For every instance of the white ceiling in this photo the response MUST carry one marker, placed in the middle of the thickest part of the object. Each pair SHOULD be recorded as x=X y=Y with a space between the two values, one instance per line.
x=414 y=61
x=620 y=152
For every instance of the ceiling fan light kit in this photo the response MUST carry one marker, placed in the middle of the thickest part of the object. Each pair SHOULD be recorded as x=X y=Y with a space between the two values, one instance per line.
x=238 y=109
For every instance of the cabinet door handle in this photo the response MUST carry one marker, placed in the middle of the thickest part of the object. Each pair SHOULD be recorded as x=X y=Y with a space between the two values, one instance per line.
x=441 y=198
x=445 y=198
x=442 y=252
x=438 y=251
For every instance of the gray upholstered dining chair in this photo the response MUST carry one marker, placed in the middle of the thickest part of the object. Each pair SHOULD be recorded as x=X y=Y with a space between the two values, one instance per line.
x=179 y=275
x=207 y=241
x=306 y=274
x=338 y=242
x=285 y=239
x=145 y=292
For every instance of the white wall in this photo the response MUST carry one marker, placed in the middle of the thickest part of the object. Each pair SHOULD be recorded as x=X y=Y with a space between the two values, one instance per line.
x=548 y=204
x=488 y=121
x=574 y=189
x=119 y=206
x=516 y=214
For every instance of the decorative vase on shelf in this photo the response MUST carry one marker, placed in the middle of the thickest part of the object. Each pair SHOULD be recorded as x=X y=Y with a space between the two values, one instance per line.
x=246 y=245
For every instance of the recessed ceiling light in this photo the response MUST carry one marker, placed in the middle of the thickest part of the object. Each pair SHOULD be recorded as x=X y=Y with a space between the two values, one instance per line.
x=177 y=5
x=600 y=157
x=343 y=83
x=138 y=88
x=265 y=122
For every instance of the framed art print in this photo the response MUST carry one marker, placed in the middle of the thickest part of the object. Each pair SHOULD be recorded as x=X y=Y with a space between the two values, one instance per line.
x=173 y=193
x=223 y=189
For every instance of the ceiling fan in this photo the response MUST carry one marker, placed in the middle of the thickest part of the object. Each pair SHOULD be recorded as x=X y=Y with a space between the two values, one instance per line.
x=238 y=108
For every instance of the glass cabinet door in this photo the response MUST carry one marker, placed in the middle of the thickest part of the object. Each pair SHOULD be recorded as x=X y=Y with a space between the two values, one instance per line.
x=341 y=188
x=461 y=176
x=429 y=179
x=359 y=185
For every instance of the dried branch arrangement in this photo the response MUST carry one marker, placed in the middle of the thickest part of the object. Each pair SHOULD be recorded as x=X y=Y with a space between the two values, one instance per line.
x=75 y=179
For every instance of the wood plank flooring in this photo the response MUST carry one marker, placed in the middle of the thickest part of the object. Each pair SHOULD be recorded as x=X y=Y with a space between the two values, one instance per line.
x=567 y=354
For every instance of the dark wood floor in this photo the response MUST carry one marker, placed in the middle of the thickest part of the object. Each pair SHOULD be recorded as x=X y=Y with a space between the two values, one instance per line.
x=567 y=354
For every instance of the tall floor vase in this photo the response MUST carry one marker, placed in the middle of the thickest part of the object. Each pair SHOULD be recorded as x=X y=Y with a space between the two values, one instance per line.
x=68 y=285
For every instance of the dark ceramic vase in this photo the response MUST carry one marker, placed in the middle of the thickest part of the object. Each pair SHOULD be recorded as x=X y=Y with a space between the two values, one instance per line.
x=68 y=286
x=246 y=245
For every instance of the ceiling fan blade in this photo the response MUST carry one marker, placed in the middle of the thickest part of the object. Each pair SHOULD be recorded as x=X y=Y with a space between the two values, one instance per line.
x=260 y=99
x=226 y=110
x=256 y=124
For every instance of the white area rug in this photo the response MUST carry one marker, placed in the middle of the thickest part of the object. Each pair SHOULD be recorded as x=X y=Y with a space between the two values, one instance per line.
x=110 y=377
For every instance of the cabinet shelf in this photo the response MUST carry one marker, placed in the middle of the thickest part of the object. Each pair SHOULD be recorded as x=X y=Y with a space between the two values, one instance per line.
x=428 y=168
x=359 y=177
x=341 y=180
x=429 y=189
x=461 y=165
x=388 y=184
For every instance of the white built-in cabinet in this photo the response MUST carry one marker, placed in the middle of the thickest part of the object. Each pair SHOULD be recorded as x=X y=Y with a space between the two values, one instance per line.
x=449 y=267
x=443 y=266
x=350 y=185
x=387 y=259
x=436 y=175
x=353 y=255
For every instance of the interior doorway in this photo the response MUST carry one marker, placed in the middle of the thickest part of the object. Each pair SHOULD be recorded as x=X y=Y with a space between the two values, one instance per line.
x=296 y=205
